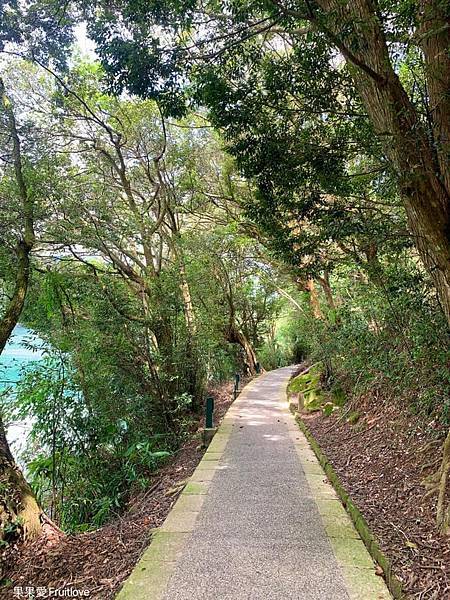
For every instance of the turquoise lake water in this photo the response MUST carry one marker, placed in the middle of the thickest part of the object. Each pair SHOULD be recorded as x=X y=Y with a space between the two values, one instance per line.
x=17 y=354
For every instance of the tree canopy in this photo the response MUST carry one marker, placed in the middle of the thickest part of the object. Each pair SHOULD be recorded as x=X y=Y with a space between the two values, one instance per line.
x=225 y=187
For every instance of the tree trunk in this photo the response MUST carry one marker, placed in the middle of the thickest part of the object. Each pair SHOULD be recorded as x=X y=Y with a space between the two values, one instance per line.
x=20 y=514
x=18 y=505
x=235 y=336
x=326 y=287
x=188 y=307
x=308 y=286
x=434 y=36
x=422 y=166
x=442 y=515
x=373 y=267
x=195 y=383
x=423 y=175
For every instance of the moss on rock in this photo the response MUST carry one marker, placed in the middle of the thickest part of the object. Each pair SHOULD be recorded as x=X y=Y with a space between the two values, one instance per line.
x=305 y=381
x=307 y=387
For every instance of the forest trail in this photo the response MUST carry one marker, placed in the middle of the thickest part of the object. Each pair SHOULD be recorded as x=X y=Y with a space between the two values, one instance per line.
x=257 y=520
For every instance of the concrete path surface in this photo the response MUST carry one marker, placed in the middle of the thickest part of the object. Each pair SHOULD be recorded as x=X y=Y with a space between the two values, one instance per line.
x=258 y=520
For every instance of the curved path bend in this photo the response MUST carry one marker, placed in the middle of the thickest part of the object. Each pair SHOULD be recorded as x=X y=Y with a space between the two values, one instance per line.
x=258 y=520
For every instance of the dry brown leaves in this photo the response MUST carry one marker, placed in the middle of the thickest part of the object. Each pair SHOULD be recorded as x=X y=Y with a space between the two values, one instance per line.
x=381 y=462
x=101 y=560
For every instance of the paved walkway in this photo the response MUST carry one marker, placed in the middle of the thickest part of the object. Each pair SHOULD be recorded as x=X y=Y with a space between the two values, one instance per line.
x=258 y=519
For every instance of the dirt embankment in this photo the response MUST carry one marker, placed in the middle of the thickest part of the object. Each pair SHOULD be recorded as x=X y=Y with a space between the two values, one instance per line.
x=99 y=561
x=382 y=461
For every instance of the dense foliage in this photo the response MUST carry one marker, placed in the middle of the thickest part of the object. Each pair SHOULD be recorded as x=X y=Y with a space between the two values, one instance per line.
x=144 y=287
x=232 y=183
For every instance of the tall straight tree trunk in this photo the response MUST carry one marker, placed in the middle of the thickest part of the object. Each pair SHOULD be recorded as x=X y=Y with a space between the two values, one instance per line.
x=188 y=307
x=422 y=169
x=195 y=385
x=18 y=505
x=189 y=313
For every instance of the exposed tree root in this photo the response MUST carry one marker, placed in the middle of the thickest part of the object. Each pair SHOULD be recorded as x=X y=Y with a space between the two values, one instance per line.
x=429 y=465
x=437 y=483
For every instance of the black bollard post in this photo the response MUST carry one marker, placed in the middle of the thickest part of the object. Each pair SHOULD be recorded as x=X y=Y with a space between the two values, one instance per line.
x=209 y=412
x=237 y=379
x=209 y=429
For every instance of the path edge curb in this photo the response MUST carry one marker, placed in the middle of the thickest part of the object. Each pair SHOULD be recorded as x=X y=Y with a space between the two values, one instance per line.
x=393 y=583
